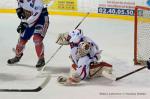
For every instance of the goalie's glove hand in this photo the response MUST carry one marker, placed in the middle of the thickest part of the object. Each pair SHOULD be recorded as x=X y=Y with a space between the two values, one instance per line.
x=21 y=28
x=63 y=39
x=20 y=13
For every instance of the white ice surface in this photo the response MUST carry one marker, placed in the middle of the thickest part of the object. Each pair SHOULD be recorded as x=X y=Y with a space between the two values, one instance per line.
x=115 y=37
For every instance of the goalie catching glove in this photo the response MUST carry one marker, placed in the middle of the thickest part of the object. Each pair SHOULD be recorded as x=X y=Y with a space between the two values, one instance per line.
x=63 y=39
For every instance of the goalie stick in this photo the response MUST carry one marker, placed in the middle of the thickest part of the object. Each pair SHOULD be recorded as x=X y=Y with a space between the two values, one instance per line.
x=123 y=76
x=39 y=88
x=147 y=66
x=62 y=45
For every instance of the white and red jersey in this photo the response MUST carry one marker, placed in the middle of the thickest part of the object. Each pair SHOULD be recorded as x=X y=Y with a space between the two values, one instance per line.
x=33 y=9
x=94 y=54
x=83 y=63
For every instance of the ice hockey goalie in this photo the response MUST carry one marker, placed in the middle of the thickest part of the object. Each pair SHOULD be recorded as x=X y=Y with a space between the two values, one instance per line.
x=85 y=55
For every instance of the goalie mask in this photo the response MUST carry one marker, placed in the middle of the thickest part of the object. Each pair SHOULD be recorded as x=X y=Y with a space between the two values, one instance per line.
x=76 y=35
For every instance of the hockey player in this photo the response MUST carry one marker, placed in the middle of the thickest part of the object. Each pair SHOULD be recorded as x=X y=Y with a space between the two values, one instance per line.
x=85 y=55
x=34 y=22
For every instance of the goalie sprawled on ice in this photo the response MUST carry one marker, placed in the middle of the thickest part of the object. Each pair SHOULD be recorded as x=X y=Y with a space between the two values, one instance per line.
x=85 y=55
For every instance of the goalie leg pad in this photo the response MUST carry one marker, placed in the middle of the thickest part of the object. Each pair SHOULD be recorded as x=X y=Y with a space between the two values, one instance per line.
x=108 y=75
x=73 y=69
x=96 y=69
x=83 y=67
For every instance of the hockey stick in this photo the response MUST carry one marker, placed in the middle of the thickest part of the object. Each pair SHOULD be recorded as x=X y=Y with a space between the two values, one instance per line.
x=82 y=20
x=39 y=88
x=62 y=45
x=121 y=77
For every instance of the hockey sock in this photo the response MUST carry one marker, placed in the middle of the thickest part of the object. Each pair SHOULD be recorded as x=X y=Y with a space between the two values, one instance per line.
x=20 y=46
x=39 y=47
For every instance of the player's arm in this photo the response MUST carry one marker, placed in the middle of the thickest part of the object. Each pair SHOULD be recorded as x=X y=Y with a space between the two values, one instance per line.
x=20 y=12
x=21 y=15
x=37 y=10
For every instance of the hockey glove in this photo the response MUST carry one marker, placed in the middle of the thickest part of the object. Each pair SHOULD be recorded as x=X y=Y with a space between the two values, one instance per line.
x=20 y=13
x=21 y=28
x=63 y=39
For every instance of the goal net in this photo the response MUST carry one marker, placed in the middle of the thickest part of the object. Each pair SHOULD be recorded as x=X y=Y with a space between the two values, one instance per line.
x=142 y=35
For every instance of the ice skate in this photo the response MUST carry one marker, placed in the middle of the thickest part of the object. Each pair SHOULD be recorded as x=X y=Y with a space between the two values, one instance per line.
x=40 y=64
x=14 y=60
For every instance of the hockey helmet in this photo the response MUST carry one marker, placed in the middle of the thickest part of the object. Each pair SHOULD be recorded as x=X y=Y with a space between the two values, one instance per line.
x=76 y=35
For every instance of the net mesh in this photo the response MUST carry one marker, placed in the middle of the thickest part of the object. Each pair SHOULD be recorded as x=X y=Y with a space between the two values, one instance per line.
x=143 y=34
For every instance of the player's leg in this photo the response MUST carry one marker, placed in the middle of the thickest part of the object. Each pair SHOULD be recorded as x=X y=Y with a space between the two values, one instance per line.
x=39 y=34
x=24 y=37
x=39 y=47
x=107 y=73
x=19 y=52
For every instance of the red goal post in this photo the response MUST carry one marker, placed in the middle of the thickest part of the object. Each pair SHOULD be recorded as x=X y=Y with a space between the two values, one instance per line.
x=141 y=35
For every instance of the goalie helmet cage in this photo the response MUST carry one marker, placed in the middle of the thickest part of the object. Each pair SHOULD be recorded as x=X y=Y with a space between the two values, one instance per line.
x=141 y=35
